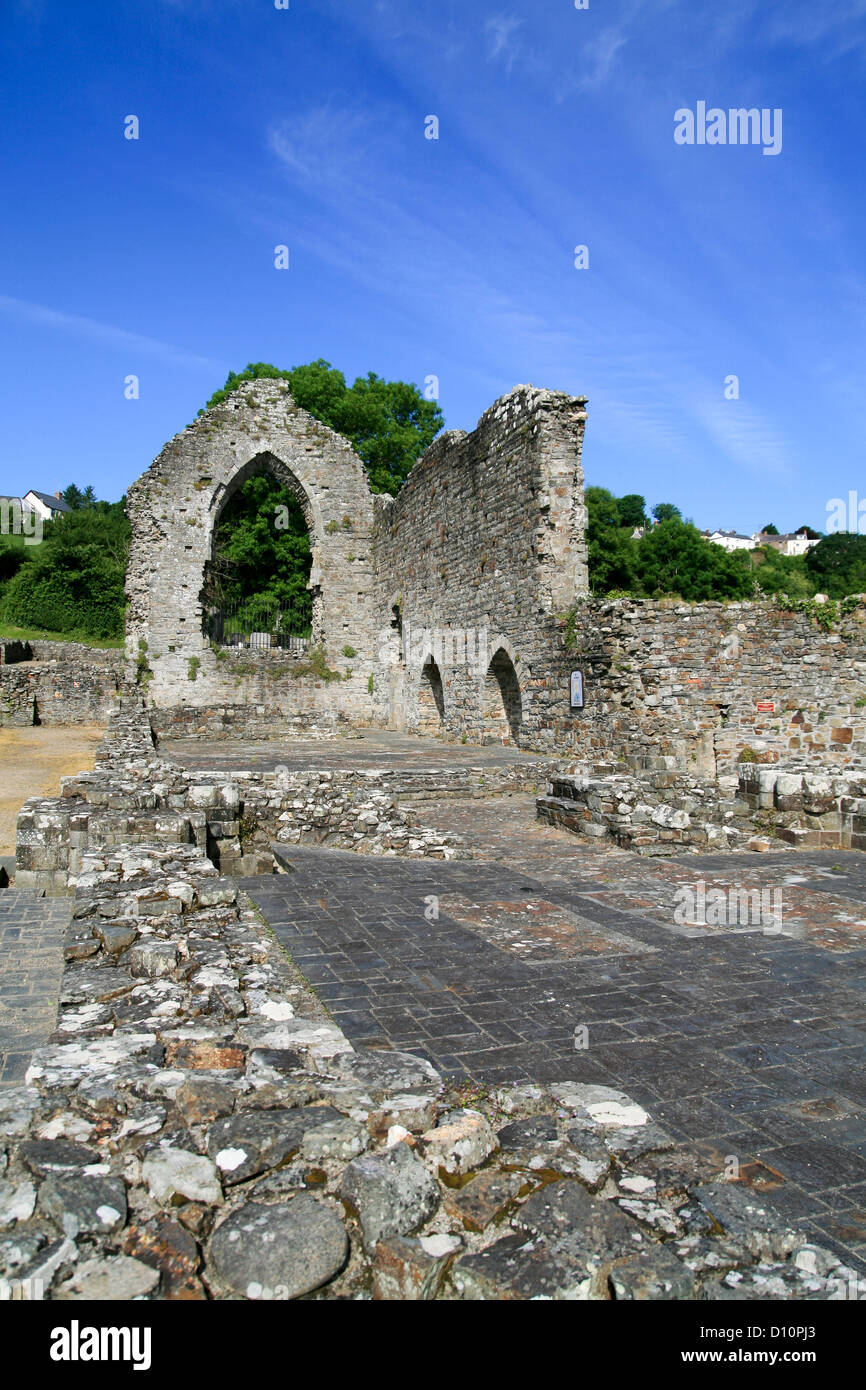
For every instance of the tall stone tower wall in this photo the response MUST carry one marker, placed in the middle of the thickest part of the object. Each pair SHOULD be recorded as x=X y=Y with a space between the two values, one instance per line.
x=482 y=548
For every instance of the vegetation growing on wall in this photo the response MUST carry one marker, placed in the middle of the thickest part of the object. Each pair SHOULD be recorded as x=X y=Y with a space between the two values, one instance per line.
x=262 y=549
x=388 y=423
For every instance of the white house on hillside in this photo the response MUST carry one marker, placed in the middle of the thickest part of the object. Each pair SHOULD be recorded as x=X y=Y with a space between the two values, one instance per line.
x=44 y=504
x=796 y=543
x=730 y=540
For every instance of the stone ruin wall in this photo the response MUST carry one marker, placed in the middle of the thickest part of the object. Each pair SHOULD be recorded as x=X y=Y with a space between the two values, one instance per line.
x=482 y=550
x=174 y=509
x=483 y=545
x=57 y=683
x=487 y=533
x=680 y=685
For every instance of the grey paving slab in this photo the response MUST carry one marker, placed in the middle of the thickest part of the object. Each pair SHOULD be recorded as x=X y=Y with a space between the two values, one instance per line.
x=743 y=1043
x=31 y=964
x=369 y=749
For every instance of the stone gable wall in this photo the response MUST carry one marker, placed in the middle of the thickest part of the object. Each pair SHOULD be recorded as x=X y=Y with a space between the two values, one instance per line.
x=174 y=509
x=453 y=598
x=486 y=535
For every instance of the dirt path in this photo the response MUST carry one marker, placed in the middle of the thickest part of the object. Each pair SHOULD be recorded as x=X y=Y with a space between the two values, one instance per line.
x=32 y=761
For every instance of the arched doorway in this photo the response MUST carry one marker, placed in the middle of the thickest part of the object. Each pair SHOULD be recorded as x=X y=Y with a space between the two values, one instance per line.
x=431 y=699
x=257 y=584
x=501 y=703
x=174 y=509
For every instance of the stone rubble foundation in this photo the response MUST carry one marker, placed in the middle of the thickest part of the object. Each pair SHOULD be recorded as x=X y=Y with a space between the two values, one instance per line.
x=668 y=812
x=198 y=1128
x=133 y=797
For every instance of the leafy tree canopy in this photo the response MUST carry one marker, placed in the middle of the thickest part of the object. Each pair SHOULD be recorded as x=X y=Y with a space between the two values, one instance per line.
x=666 y=511
x=388 y=423
x=837 y=564
x=776 y=573
x=72 y=496
x=632 y=510
x=73 y=582
x=674 y=558
x=264 y=558
x=78 y=498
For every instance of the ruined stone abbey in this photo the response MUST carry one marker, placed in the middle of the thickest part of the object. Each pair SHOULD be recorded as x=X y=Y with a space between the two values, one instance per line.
x=464 y=602
x=419 y=1070
x=449 y=595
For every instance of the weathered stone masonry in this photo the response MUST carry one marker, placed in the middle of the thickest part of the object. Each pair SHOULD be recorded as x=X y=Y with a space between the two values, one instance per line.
x=57 y=683
x=693 y=686
x=483 y=546
x=486 y=536
x=453 y=599
x=174 y=509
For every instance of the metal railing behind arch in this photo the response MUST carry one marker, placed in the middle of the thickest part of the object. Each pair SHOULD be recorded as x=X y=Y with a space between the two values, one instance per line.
x=256 y=626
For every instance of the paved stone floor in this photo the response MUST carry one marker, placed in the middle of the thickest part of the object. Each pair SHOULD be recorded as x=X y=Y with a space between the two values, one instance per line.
x=748 y=1043
x=369 y=748
x=31 y=964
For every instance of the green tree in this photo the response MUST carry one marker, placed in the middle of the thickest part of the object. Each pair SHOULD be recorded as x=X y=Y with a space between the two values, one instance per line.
x=837 y=564
x=782 y=574
x=72 y=496
x=13 y=553
x=770 y=530
x=666 y=511
x=73 y=582
x=388 y=423
x=674 y=558
x=263 y=545
x=602 y=508
x=611 y=552
x=632 y=510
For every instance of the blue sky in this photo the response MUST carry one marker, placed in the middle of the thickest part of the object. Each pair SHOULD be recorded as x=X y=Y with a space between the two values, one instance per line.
x=452 y=257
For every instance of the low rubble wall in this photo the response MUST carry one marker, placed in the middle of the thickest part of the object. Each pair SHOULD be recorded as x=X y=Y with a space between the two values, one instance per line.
x=132 y=797
x=57 y=683
x=242 y=721
x=666 y=812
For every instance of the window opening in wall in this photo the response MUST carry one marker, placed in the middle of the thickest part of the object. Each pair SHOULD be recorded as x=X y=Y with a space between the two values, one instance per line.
x=256 y=590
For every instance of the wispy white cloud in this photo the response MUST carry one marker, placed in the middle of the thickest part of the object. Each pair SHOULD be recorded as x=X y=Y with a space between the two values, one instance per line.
x=743 y=435
x=830 y=30
x=649 y=395
x=39 y=316
x=325 y=144
x=500 y=30
x=601 y=56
